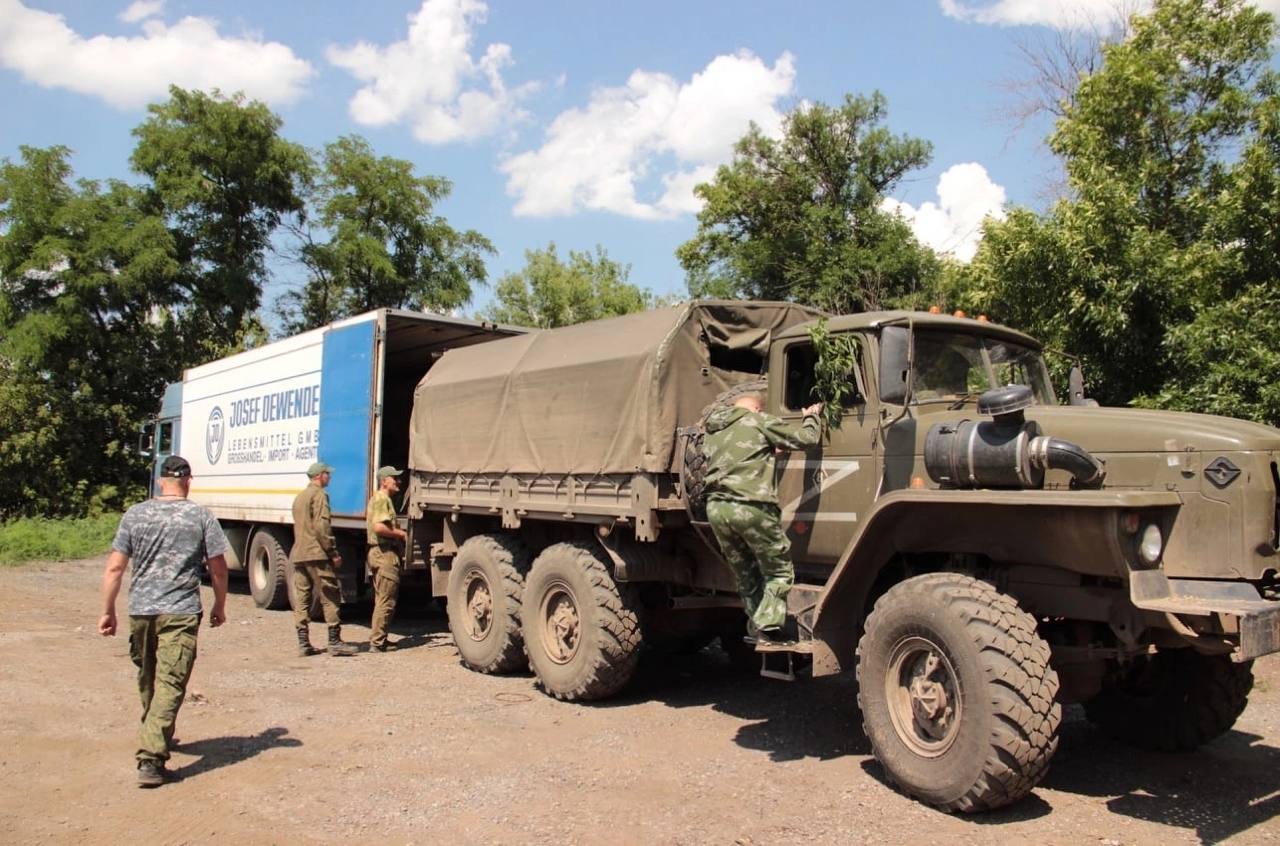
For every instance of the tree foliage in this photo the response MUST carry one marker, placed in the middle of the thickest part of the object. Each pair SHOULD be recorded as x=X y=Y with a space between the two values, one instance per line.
x=224 y=179
x=1159 y=265
x=799 y=217
x=109 y=290
x=380 y=243
x=86 y=277
x=550 y=291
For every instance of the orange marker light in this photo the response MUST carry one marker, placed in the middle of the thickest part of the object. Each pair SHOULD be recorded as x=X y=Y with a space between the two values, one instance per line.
x=933 y=309
x=958 y=313
x=917 y=483
x=982 y=318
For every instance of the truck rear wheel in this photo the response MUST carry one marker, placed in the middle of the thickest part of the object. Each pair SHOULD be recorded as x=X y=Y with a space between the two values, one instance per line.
x=485 y=586
x=267 y=565
x=581 y=628
x=1173 y=701
x=956 y=692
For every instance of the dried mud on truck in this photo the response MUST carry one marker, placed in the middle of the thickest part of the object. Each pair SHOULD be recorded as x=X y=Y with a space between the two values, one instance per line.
x=976 y=552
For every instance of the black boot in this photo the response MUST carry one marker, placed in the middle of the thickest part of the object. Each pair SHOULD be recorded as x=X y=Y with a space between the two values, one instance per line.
x=336 y=645
x=304 y=644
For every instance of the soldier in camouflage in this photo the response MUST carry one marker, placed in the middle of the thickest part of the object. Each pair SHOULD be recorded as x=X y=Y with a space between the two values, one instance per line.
x=315 y=557
x=167 y=539
x=742 y=503
x=385 y=537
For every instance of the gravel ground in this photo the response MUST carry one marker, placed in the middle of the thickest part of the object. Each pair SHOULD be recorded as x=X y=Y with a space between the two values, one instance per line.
x=410 y=747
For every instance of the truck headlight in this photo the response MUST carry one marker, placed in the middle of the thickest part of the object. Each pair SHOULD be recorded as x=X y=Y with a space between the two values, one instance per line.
x=1151 y=545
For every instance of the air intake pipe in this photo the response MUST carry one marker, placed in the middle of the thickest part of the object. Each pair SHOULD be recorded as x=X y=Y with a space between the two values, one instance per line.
x=1006 y=452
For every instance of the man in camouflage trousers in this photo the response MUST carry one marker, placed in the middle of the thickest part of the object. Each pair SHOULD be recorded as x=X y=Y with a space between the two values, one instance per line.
x=742 y=503
x=385 y=537
x=315 y=558
x=166 y=538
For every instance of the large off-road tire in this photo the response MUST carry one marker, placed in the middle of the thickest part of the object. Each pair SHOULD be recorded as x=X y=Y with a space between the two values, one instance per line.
x=485 y=587
x=581 y=628
x=956 y=692
x=1173 y=701
x=267 y=567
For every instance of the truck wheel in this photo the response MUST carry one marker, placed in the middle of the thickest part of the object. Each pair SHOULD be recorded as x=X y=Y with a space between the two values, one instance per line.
x=267 y=565
x=581 y=628
x=956 y=692
x=485 y=585
x=1173 y=701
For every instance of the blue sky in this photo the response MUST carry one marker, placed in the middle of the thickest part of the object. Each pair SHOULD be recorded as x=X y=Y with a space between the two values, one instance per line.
x=581 y=123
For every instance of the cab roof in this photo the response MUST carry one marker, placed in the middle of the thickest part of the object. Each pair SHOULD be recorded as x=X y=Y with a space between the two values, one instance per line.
x=865 y=320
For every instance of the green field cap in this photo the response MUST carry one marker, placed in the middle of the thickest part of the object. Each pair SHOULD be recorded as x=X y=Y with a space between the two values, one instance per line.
x=384 y=472
x=317 y=468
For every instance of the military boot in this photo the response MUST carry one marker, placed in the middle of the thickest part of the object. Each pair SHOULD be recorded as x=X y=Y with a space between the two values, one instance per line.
x=336 y=644
x=304 y=644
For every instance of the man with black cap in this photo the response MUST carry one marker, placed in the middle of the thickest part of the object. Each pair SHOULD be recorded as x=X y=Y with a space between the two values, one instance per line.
x=385 y=537
x=315 y=557
x=167 y=538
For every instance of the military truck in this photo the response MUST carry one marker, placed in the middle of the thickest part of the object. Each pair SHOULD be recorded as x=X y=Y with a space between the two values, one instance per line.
x=976 y=551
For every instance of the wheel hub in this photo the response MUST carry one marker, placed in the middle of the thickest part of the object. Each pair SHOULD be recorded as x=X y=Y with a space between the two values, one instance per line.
x=561 y=624
x=479 y=616
x=923 y=695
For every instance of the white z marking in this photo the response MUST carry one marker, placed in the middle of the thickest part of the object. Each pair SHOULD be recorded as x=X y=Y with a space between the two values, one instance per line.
x=843 y=469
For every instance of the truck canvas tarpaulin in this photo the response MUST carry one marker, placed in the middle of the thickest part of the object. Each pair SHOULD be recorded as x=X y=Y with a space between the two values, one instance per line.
x=599 y=397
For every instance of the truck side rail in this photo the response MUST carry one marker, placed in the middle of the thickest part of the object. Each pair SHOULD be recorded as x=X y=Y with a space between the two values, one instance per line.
x=642 y=500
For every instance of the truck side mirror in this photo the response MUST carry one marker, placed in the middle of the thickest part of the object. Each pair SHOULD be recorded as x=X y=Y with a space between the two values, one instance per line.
x=896 y=360
x=146 y=439
x=1075 y=389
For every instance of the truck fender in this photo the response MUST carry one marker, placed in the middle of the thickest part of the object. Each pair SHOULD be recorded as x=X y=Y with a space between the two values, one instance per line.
x=1072 y=530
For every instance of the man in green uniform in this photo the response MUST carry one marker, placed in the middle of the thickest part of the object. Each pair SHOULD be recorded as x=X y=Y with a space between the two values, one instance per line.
x=166 y=538
x=315 y=558
x=742 y=503
x=385 y=537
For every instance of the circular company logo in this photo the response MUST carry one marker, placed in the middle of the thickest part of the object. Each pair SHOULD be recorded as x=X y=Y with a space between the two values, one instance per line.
x=214 y=435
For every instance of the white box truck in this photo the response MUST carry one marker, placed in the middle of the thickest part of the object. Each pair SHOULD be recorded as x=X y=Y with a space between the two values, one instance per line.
x=250 y=425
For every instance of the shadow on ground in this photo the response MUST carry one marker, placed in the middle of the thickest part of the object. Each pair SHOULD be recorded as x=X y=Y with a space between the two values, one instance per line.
x=217 y=752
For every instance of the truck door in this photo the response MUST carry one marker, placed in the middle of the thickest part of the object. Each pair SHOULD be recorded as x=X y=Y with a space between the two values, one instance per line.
x=826 y=491
x=347 y=414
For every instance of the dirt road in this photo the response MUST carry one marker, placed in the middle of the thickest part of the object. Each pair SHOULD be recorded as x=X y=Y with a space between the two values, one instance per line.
x=409 y=747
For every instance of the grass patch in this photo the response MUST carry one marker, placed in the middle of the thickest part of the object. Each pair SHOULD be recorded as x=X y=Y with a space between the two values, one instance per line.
x=37 y=539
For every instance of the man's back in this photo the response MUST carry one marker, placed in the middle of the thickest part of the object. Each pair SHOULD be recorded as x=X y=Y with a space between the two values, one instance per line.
x=311 y=525
x=167 y=542
x=740 y=446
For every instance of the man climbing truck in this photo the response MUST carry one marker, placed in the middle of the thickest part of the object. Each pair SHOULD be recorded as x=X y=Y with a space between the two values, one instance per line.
x=976 y=552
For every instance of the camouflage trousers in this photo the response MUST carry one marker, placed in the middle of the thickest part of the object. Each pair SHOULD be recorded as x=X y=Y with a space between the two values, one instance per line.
x=318 y=576
x=758 y=552
x=163 y=648
x=384 y=565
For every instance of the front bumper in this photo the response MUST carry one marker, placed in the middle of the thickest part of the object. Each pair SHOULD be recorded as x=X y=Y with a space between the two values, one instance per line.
x=1256 y=621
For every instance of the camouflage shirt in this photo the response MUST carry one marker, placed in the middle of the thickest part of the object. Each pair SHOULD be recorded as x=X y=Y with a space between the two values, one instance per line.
x=379 y=510
x=739 y=447
x=167 y=541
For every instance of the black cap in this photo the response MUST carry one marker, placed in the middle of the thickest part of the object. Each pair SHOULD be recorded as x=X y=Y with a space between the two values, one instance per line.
x=176 y=467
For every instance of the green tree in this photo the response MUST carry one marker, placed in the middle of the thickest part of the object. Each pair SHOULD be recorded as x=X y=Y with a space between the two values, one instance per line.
x=224 y=178
x=549 y=291
x=87 y=284
x=381 y=243
x=1167 y=244
x=799 y=217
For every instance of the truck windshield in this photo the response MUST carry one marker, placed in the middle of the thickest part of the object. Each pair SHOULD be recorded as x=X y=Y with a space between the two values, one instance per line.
x=951 y=366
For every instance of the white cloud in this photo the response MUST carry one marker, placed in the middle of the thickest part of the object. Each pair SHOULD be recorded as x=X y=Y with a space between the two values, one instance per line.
x=953 y=225
x=431 y=79
x=141 y=10
x=597 y=157
x=130 y=71
x=1060 y=14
